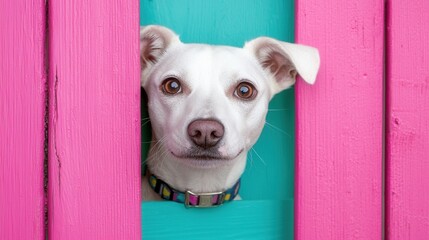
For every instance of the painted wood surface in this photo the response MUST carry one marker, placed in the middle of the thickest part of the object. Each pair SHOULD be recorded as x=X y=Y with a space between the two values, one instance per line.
x=407 y=138
x=339 y=122
x=22 y=110
x=94 y=120
x=238 y=220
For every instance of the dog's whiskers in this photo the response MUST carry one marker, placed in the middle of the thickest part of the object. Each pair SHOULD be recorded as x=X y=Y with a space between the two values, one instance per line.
x=277 y=109
x=158 y=142
x=146 y=122
x=278 y=129
x=251 y=159
x=262 y=160
x=155 y=149
x=159 y=156
x=155 y=156
x=162 y=157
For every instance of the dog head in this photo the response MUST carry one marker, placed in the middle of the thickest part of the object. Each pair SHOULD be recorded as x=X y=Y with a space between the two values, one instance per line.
x=208 y=104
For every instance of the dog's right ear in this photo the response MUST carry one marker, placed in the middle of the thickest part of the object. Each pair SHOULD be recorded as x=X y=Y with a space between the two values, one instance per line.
x=283 y=61
x=154 y=41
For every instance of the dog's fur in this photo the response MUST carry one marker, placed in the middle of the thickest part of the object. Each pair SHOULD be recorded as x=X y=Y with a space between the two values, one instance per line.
x=209 y=76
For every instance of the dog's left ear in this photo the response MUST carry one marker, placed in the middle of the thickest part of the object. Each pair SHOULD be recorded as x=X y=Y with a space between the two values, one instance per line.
x=154 y=42
x=284 y=60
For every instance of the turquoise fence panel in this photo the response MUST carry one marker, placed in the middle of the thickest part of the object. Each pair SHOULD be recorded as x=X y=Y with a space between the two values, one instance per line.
x=236 y=220
x=269 y=174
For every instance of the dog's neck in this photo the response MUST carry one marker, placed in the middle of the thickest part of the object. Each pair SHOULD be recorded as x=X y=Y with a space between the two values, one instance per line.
x=183 y=177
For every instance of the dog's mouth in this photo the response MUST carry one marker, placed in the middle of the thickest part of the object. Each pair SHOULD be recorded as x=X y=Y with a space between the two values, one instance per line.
x=205 y=158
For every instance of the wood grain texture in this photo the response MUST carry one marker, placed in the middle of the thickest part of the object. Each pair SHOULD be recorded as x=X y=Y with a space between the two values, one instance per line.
x=22 y=110
x=339 y=122
x=94 y=120
x=407 y=141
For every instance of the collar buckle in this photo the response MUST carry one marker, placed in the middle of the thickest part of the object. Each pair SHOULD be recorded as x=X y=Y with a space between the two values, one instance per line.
x=204 y=200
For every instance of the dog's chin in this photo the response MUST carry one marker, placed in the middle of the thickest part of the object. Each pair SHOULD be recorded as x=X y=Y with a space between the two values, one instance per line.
x=205 y=159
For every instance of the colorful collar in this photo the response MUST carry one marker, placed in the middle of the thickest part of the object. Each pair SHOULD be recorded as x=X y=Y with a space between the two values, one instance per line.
x=191 y=199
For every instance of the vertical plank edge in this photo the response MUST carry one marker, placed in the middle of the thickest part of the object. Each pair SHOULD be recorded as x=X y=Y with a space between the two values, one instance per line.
x=22 y=110
x=94 y=120
x=407 y=138
x=339 y=122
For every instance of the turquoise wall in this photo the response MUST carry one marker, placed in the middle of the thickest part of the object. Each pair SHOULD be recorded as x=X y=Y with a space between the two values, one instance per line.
x=268 y=182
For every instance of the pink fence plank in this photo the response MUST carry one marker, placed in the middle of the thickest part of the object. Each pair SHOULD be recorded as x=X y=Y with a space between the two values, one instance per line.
x=94 y=120
x=339 y=122
x=407 y=142
x=22 y=110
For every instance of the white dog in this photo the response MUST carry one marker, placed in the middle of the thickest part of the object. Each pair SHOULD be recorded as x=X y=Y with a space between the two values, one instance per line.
x=207 y=106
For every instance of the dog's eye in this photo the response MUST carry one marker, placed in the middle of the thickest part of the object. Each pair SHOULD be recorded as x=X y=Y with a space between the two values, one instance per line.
x=171 y=86
x=245 y=91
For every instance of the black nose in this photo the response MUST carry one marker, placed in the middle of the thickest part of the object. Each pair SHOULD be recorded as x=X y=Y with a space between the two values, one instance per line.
x=205 y=133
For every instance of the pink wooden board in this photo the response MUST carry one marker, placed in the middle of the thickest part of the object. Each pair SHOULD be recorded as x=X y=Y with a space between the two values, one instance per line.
x=339 y=122
x=22 y=101
x=407 y=138
x=94 y=120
